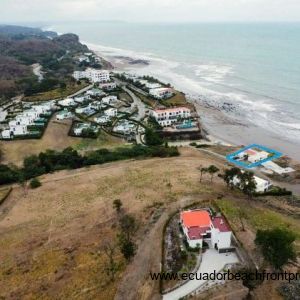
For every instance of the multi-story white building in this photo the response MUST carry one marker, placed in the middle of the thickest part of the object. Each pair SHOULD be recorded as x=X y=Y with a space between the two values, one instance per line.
x=167 y=116
x=93 y=75
x=161 y=93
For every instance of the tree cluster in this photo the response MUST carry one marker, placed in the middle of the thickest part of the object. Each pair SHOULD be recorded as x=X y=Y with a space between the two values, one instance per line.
x=50 y=160
x=211 y=171
x=276 y=246
x=244 y=180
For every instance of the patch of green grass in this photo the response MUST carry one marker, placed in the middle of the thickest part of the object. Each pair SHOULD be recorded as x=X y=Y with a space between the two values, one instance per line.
x=104 y=140
x=258 y=218
x=177 y=100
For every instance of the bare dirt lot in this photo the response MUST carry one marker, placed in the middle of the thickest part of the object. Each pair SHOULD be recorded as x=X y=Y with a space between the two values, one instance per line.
x=50 y=237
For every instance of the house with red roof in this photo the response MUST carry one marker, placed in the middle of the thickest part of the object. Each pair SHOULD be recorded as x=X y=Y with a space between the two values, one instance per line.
x=168 y=116
x=199 y=226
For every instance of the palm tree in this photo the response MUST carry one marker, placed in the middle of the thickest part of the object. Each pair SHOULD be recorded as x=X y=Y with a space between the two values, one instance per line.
x=202 y=171
x=212 y=169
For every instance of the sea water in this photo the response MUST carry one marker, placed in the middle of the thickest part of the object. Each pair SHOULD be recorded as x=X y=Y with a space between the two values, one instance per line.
x=254 y=67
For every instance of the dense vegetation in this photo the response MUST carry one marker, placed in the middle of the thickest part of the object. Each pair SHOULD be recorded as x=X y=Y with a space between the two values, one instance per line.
x=21 y=47
x=50 y=160
x=276 y=245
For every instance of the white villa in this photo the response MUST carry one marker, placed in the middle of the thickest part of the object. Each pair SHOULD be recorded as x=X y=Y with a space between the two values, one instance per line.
x=64 y=114
x=199 y=226
x=150 y=85
x=80 y=99
x=125 y=127
x=102 y=119
x=111 y=112
x=253 y=155
x=93 y=75
x=67 y=102
x=18 y=126
x=262 y=185
x=94 y=92
x=79 y=127
x=107 y=86
x=167 y=116
x=109 y=99
x=161 y=93
x=82 y=58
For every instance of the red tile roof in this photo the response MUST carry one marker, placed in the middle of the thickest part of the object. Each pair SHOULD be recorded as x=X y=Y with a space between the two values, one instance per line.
x=221 y=224
x=196 y=233
x=198 y=218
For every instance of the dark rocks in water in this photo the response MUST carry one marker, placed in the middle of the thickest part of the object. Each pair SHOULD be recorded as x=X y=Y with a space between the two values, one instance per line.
x=139 y=62
x=133 y=61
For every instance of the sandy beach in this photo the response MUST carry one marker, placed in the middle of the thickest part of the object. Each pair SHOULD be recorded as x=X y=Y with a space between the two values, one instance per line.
x=220 y=119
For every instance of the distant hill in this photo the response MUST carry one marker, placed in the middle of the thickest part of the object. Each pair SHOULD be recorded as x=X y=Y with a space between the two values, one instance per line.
x=21 y=47
x=19 y=31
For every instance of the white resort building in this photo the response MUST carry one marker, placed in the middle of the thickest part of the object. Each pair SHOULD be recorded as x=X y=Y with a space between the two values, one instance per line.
x=167 y=116
x=93 y=75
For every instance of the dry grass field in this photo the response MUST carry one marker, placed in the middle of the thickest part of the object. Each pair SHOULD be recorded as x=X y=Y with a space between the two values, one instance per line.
x=51 y=237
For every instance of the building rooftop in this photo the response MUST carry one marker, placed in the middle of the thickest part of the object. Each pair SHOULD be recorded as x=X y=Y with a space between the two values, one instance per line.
x=195 y=233
x=221 y=224
x=196 y=218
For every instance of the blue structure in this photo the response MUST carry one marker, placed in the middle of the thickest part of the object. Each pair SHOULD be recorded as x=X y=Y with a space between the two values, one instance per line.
x=275 y=155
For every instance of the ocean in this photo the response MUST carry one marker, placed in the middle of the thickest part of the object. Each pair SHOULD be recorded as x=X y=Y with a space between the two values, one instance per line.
x=251 y=71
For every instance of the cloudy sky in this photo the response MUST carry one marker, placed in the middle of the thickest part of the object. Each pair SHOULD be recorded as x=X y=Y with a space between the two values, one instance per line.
x=13 y=11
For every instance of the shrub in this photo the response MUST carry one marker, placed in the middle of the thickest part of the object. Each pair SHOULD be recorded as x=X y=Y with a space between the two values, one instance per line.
x=275 y=191
x=35 y=183
x=50 y=160
x=152 y=138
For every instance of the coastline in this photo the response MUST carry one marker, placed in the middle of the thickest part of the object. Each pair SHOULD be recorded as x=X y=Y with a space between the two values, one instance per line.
x=218 y=119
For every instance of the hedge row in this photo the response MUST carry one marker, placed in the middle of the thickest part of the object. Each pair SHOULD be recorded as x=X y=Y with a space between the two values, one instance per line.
x=50 y=160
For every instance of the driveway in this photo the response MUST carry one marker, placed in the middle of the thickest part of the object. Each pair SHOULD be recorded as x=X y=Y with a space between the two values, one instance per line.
x=137 y=102
x=211 y=261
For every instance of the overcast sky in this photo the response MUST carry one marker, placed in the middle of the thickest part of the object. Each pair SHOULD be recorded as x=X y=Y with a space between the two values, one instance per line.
x=13 y=11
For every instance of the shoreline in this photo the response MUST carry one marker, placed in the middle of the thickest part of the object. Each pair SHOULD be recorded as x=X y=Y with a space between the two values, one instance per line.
x=218 y=119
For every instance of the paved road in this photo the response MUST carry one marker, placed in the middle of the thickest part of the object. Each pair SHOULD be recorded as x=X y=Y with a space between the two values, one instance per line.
x=211 y=261
x=137 y=102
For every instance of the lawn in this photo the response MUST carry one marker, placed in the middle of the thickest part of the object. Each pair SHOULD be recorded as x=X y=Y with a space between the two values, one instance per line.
x=177 y=100
x=104 y=140
x=258 y=217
